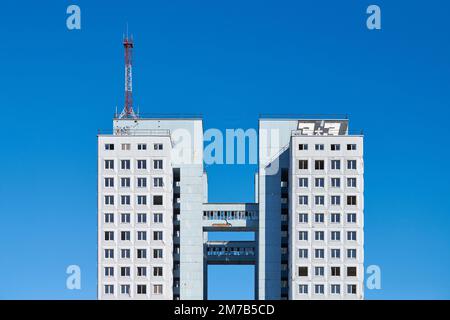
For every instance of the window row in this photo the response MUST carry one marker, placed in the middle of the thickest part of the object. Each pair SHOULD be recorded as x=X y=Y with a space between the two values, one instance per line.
x=319 y=271
x=303 y=253
x=126 y=271
x=320 y=164
x=334 y=182
x=320 y=235
x=140 y=236
x=319 y=289
x=321 y=147
x=140 y=253
x=320 y=217
x=139 y=146
x=125 y=200
x=141 y=164
x=335 y=200
x=140 y=289
x=140 y=218
x=141 y=182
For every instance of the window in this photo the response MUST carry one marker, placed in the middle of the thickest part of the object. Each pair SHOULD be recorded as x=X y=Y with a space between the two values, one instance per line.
x=351 y=253
x=109 y=200
x=319 y=200
x=125 y=164
x=125 y=289
x=109 y=289
x=157 y=289
x=351 y=271
x=336 y=200
x=335 y=164
x=109 y=164
x=157 y=218
x=109 y=217
x=319 y=147
x=335 y=147
x=109 y=146
x=351 y=235
x=319 y=254
x=109 y=235
x=141 y=289
x=351 y=182
x=351 y=164
x=124 y=271
x=157 y=164
x=302 y=271
x=302 y=147
x=157 y=235
x=335 y=253
x=319 y=271
x=158 y=182
x=142 y=253
x=351 y=217
x=109 y=182
x=319 y=164
x=125 y=218
x=320 y=182
x=125 y=182
x=303 y=182
x=125 y=253
x=109 y=272
x=125 y=200
x=319 y=218
x=335 y=271
x=157 y=146
x=335 y=289
x=142 y=146
x=303 y=288
x=319 y=235
x=303 y=200
x=157 y=253
x=126 y=146
x=351 y=146
x=142 y=218
x=303 y=164
x=142 y=235
x=157 y=271
x=319 y=289
x=303 y=235
x=303 y=217
x=109 y=253
x=125 y=235
x=142 y=164
x=335 y=235
x=335 y=182
x=351 y=288
x=351 y=200
x=303 y=253
x=157 y=200
x=141 y=271
x=142 y=182
x=335 y=218
x=142 y=200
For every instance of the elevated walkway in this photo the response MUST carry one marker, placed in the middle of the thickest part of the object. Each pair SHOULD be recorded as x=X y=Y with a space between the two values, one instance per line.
x=230 y=252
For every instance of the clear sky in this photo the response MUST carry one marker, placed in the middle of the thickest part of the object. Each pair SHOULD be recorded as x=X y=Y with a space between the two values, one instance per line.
x=230 y=61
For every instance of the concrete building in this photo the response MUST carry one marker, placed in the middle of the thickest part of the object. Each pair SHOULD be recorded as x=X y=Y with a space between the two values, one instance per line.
x=154 y=216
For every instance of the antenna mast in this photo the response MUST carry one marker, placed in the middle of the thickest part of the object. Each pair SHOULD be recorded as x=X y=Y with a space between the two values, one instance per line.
x=128 y=107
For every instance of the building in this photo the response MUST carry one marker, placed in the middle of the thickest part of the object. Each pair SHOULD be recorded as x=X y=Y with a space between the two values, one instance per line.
x=154 y=216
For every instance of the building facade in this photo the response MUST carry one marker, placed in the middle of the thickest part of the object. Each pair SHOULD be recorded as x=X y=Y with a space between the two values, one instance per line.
x=154 y=216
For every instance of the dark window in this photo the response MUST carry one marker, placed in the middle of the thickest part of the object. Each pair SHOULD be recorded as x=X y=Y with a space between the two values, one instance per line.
x=319 y=164
x=303 y=164
x=302 y=271
x=351 y=271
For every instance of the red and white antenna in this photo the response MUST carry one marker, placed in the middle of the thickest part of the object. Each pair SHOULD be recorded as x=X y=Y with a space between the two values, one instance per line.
x=128 y=108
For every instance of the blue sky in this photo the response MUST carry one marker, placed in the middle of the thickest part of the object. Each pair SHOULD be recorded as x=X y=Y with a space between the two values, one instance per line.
x=230 y=61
